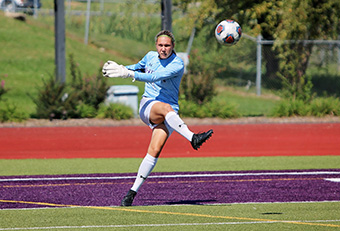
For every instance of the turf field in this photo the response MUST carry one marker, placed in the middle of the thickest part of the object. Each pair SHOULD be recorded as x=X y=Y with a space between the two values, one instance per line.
x=271 y=177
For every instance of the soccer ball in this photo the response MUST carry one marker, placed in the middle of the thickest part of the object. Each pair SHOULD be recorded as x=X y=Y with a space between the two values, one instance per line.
x=228 y=32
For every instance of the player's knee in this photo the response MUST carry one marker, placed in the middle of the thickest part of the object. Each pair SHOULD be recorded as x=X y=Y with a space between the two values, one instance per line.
x=159 y=111
x=167 y=108
x=154 y=150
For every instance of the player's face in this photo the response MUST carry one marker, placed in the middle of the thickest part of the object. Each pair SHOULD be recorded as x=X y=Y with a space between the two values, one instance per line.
x=164 y=47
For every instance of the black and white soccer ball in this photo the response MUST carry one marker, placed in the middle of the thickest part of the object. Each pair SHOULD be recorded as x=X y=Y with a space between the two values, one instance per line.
x=228 y=32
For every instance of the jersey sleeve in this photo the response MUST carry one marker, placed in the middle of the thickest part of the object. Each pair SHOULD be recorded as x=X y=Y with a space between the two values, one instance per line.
x=172 y=70
x=140 y=66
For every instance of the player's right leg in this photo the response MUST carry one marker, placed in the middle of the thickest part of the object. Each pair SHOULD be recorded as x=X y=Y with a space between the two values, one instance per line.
x=158 y=139
x=160 y=134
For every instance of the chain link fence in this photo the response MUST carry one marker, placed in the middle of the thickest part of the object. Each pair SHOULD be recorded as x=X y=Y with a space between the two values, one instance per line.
x=323 y=66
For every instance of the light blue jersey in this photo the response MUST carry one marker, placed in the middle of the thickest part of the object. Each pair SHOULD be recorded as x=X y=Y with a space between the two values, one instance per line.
x=162 y=77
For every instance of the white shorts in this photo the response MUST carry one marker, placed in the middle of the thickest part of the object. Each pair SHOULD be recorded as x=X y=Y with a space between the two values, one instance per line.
x=144 y=113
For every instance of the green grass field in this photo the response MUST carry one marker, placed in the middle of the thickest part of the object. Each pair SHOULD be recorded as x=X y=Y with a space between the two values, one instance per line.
x=253 y=216
x=281 y=216
x=125 y=165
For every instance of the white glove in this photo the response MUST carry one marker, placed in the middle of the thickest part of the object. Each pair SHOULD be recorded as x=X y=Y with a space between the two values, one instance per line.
x=109 y=63
x=113 y=70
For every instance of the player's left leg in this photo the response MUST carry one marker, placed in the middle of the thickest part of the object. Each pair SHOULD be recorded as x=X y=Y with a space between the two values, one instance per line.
x=158 y=139
x=163 y=112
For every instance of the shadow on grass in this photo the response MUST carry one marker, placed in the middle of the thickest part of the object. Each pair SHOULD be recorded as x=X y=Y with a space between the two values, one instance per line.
x=189 y=202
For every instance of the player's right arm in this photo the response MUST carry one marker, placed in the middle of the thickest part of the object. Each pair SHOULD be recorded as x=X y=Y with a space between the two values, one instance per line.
x=112 y=69
x=140 y=66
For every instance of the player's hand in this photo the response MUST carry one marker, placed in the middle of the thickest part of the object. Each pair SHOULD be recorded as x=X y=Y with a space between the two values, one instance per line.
x=113 y=70
x=109 y=65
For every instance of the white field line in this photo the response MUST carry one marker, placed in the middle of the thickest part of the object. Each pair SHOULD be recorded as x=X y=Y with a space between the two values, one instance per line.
x=174 y=176
x=163 y=225
x=336 y=180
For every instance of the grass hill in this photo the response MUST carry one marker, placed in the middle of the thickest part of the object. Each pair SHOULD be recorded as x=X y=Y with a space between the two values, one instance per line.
x=27 y=58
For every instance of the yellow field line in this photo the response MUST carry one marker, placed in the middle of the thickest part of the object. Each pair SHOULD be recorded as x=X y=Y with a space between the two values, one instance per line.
x=170 y=213
x=155 y=182
x=59 y=185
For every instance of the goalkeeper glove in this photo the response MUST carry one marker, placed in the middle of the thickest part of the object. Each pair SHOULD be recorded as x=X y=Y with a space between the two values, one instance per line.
x=113 y=70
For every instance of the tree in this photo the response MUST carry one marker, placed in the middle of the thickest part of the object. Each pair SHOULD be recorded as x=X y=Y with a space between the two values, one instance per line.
x=279 y=20
x=304 y=20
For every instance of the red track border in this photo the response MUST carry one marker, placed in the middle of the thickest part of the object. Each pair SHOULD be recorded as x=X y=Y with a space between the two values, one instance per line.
x=237 y=140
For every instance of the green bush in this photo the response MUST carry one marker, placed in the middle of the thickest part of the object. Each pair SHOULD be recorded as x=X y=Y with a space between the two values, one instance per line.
x=207 y=110
x=53 y=101
x=287 y=108
x=325 y=106
x=115 y=111
x=78 y=99
x=198 y=85
x=10 y=113
x=301 y=91
x=86 y=111
x=3 y=90
x=317 y=107
x=90 y=90
x=222 y=110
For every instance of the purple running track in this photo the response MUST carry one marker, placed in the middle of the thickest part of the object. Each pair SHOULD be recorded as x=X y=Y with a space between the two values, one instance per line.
x=194 y=188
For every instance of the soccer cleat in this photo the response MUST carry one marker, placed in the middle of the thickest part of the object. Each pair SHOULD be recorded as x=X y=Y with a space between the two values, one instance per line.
x=199 y=138
x=128 y=199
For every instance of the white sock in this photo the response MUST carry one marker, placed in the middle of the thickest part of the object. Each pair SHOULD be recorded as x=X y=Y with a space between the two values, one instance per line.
x=144 y=171
x=178 y=125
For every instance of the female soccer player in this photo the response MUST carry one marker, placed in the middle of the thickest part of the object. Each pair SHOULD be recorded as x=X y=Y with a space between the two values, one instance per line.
x=162 y=72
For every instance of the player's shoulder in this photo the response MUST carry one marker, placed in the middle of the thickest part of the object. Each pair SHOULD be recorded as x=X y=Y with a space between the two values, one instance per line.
x=152 y=54
x=178 y=59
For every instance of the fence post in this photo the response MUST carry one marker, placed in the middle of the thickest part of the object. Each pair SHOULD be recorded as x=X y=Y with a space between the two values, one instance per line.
x=338 y=46
x=258 y=64
x=69 y=7
x=59 y=33
x=166 y=14
x=101 y=6
x=35 y=8
x=87 y=24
